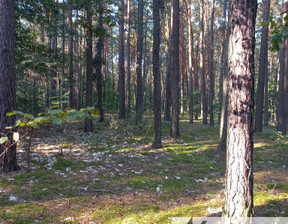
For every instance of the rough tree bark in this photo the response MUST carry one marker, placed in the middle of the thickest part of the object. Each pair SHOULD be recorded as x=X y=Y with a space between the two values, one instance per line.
x=8 y=160
x=263 y=66
x=239 y=158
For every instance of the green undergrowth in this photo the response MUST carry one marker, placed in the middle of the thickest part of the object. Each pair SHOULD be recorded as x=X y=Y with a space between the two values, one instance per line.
x=130 y=182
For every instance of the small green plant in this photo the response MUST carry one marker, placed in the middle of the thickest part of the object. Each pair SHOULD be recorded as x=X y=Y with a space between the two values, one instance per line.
x=55 y=116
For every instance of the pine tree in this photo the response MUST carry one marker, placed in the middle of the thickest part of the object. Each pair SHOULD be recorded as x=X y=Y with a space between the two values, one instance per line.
x=239 y=166
x=8 y=161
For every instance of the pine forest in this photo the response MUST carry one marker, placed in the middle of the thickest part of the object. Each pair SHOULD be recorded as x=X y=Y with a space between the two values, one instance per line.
x=143 y=111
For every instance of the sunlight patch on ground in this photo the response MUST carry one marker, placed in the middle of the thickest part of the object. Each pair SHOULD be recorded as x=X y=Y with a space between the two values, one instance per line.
x=263 y=198
x=262 y=145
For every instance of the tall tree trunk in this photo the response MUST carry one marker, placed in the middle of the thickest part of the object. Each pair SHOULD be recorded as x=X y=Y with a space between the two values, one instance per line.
x=99 y=62
x=197 y=65
x=222 y=62
x=146 y=63
x=81 y=68
x=239 y=171
x=175 y=132
x=61 y=82
x=263 y=66
x=182 y=62
x=211 y=64
x=70 y=53
x=112 y=72
x=202 y=63
x=53 y=45
x=266 y=98
x=285 y=108
x=196 y=77
x=167 y=110
x=89 y=64
x=8 y=160
x=121 y=82
x=128 y=78
x=78 y=62
x=105 y=65
x=156 y=74
x=280 y=105
x=191 y=62
x=224 y=83
x=139 y=98
x=283 y=57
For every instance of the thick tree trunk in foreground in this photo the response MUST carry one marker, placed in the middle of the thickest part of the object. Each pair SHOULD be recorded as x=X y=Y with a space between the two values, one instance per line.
x=121 y=83
x=239 y=171
x=89 y=64
x=263 y=66
x=156 y=74
x=175 y=72
x=8 y=161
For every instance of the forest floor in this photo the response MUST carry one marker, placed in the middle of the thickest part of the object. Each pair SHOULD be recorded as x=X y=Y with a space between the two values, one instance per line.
x=114 y=176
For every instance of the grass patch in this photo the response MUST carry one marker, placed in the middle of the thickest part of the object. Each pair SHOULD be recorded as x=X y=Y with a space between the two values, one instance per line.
x=4 y=182
x=271 y=205
x=63 y=163
x=24 y=213
x=145 y=213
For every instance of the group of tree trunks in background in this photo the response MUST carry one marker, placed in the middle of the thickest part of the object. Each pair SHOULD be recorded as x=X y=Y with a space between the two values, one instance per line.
x=236 y=83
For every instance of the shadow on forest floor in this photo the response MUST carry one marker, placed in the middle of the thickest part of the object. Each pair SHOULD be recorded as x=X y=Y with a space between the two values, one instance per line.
x=114 y=176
